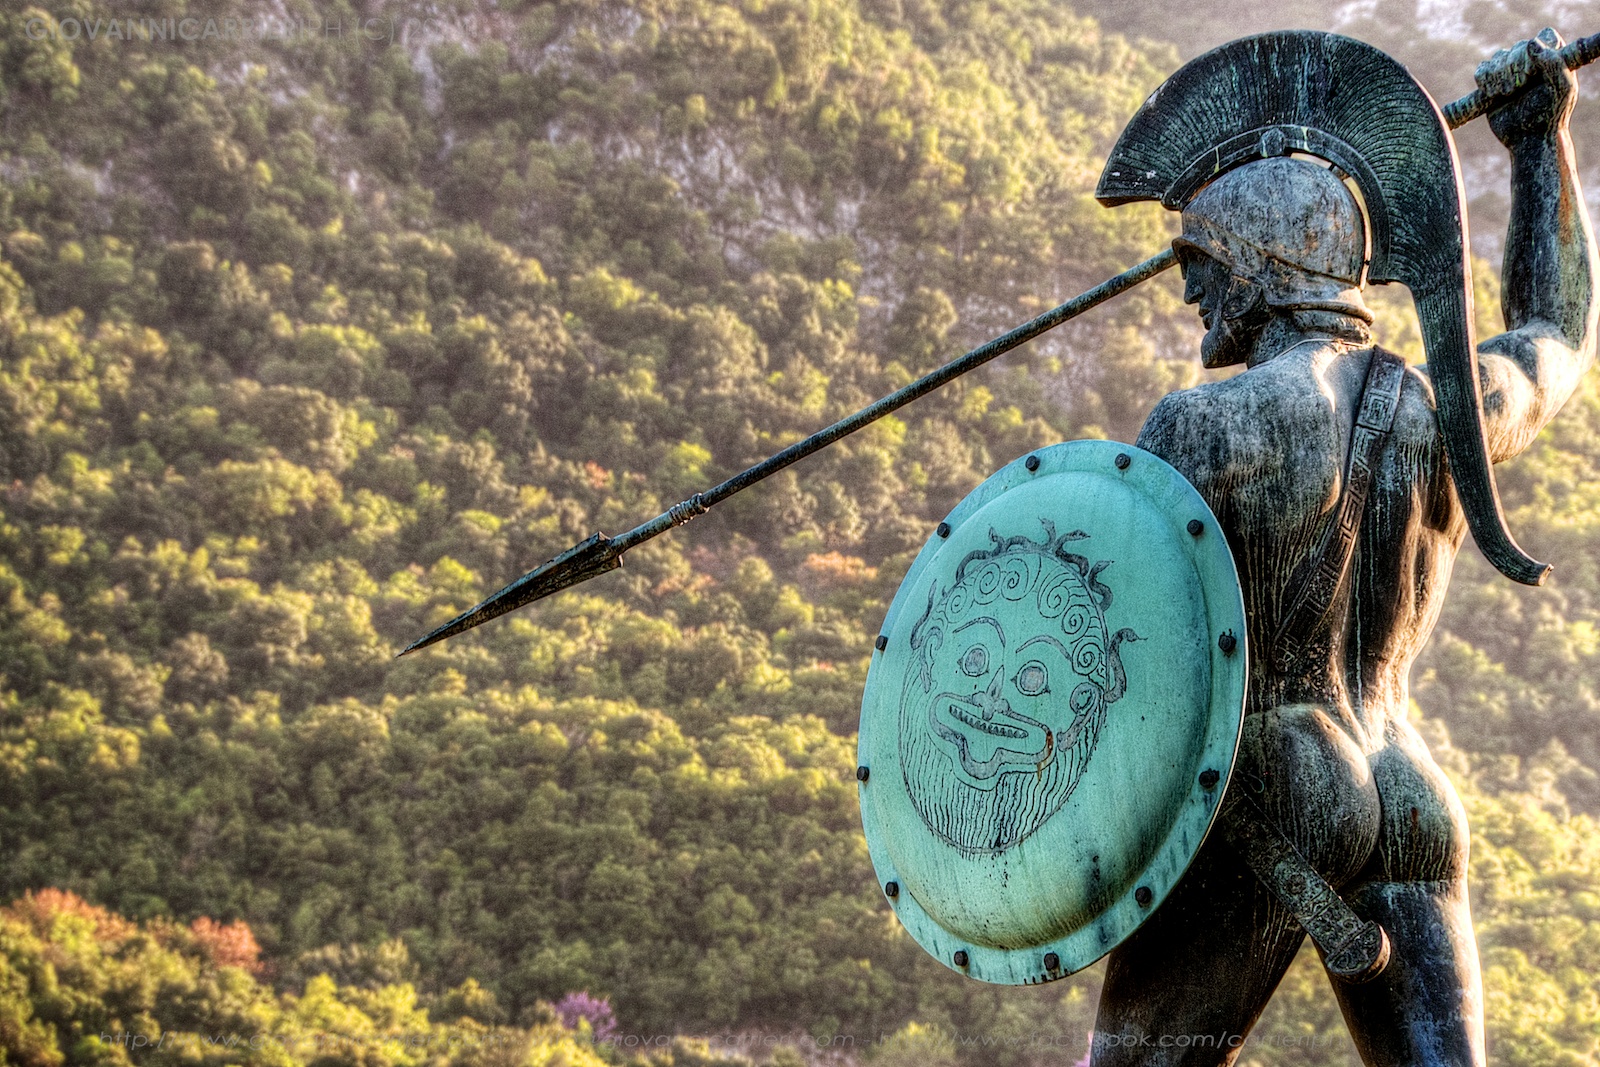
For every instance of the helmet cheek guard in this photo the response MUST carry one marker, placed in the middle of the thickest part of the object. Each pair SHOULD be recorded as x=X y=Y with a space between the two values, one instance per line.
x=1346 y=102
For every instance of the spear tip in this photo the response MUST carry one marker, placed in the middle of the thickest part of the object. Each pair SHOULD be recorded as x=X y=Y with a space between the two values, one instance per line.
x=593 y=556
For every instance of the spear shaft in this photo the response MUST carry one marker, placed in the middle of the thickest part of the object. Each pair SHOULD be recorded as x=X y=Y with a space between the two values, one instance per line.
x=600 y=553
x=698 y=503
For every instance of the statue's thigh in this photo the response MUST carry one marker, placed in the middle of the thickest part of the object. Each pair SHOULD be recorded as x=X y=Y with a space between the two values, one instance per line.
x=1426 y=1008
x=1190 y=983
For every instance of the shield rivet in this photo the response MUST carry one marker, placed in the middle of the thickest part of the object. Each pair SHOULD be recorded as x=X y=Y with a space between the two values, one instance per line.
x=943 y=529
x=891 y=889
x=1052 y=962
x=862 y=774
x=1122 y=461
x=1143 y=896
x=1208 y=778
x=1196 y=527
x=1032 y=463
x=960 y=957
x=881 y=643
x=1227 y=642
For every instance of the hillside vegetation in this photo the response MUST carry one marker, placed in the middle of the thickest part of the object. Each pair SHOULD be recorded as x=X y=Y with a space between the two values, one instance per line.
x=310 y=338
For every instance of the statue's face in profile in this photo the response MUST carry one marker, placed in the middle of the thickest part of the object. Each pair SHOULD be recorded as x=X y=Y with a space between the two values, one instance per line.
x=1006 y=692
x=1231 y=308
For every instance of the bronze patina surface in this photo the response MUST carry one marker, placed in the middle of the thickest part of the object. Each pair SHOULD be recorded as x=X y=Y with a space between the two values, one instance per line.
x=1051 y=717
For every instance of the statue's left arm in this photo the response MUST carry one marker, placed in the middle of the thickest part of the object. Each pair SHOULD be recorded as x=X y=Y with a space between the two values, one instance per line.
x=1550 y=265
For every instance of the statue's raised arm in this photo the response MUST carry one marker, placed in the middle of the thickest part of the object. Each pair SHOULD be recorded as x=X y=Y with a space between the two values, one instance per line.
x=1529 y=371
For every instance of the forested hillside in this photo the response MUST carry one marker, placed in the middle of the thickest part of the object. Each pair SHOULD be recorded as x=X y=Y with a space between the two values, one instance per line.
x=313 y=334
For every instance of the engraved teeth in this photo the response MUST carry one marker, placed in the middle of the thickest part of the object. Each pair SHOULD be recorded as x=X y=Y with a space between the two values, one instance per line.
x=994 y=729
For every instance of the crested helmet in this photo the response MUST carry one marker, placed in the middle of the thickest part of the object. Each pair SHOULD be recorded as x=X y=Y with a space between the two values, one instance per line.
x=1288 y=225
x=1339 y=100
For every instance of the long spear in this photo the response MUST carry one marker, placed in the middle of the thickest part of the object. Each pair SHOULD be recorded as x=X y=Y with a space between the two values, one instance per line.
x=599 y=553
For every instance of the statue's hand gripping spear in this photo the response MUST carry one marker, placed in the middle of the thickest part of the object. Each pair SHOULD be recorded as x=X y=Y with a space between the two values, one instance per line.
x=599 y=553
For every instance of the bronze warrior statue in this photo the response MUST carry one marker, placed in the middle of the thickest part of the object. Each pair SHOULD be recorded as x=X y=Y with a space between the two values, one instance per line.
x=1274 y=252
x=1192 y=751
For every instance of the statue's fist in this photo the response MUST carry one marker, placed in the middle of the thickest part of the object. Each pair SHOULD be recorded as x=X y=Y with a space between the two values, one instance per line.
x=1534 y=88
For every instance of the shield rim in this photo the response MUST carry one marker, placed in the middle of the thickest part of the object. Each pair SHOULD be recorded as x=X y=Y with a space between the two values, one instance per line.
x=1224 y=610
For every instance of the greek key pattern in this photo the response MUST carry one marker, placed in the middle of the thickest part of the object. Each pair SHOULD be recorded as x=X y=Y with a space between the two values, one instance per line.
x=1380 y=399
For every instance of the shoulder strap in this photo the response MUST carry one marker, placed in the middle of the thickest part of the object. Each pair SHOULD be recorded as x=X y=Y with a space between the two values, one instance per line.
x=1380 y=398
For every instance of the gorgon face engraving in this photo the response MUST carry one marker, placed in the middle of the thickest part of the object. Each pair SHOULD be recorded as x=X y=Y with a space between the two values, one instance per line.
x=1011 y=673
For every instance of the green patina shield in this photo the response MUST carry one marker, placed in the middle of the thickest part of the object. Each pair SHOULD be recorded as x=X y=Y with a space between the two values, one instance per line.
x=1052 y=714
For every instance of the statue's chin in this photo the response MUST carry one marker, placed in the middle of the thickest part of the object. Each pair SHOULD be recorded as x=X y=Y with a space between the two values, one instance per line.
x=1225 y=345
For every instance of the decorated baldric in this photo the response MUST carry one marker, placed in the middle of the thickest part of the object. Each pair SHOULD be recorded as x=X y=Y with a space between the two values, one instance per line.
x=1320 y=578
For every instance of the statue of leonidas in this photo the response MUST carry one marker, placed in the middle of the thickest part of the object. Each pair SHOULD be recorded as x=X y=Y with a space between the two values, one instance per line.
x=1273 y=252
x=1152 y=700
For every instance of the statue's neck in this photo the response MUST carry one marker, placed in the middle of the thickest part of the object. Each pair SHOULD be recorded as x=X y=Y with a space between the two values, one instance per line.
x=1281 y=334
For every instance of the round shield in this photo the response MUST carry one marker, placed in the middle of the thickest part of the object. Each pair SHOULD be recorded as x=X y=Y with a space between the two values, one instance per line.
x=1052 y=711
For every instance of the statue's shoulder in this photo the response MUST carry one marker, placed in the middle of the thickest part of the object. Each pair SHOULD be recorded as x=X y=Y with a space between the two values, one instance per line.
x=1288 y=417
x=1278 y=391
x=1236 y=408
x=1206 y=430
